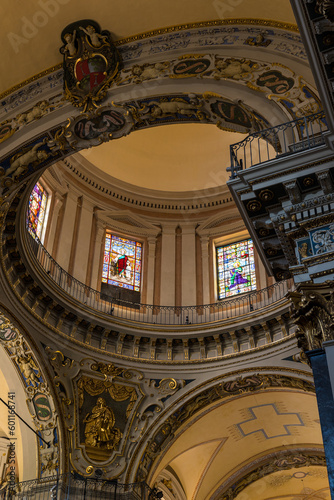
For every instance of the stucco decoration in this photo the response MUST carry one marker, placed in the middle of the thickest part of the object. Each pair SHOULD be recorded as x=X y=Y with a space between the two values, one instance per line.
x=92 y=392
x=39 y=397
x=91 y=63
x=26 y=160
x=94 y=127
x=117 y=120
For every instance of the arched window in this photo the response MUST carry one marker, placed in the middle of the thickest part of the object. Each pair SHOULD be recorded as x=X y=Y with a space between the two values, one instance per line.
x=122 y=262
x=37 y=211
x=235 y=269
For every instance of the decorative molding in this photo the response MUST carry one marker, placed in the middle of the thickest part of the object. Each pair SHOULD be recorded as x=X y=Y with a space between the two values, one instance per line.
x=247 y=384
x=280 y=460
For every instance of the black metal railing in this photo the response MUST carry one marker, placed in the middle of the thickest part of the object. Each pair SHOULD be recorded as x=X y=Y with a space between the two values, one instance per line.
x=285 y=139
x=69 y=487
x=156 y=314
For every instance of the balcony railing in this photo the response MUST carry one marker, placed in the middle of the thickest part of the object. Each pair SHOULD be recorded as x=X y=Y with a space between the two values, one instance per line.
x=285 y=139
x=68 y=487
x=157 y=314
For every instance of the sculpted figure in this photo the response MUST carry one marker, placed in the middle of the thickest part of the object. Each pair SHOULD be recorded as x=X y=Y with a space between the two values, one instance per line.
x=27 y=365
x=70 y=43
x=160 y=109
x=93 y=36
x=35 y=113
x=303 y=250
x=99 y=430
x=20 y=164
x=149 y=72
x=233 y=68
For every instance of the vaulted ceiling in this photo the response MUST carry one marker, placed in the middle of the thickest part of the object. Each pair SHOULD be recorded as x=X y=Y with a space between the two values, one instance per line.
x=30 y=45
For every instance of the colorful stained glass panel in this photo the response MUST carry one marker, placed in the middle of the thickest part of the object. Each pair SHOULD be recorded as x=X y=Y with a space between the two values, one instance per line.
x=37 y=210
x=235 y=269
x=122 y=262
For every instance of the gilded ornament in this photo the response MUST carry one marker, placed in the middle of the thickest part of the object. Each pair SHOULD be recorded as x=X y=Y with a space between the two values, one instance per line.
x=254 y=205
x=326 y=9
x=108 y=369
x=100 y=430
x=308 y=181
x=91 y=63
x=28 y=369
x=266 y=195
x=263 y=231
x=271 y=251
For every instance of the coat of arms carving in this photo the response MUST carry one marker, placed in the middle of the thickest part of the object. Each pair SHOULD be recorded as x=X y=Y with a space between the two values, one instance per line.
x=91 y=63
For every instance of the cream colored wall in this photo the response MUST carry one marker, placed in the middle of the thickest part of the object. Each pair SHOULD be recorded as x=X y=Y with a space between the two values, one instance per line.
x=25 y=439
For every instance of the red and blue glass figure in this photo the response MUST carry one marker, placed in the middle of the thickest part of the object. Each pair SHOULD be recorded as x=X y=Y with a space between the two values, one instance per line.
x=122 y=262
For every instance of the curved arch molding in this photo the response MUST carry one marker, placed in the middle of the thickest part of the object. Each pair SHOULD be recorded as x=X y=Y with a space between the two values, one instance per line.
x=163 y=435
x=39 y=397
x=144 y=94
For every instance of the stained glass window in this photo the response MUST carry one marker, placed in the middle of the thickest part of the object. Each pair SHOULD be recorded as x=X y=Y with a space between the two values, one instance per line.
x=236 y=269
x=37 y=210
x=122 y=262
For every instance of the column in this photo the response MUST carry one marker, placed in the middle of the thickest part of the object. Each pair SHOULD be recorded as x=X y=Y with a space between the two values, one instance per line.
x=167 y=290
x=53 y=221
x=188 y=265
x=83 y=240
x=97 y=256
x=66 y=233
x=312 y=307
x=150 y=269
x=324 y=391
x=205 y=269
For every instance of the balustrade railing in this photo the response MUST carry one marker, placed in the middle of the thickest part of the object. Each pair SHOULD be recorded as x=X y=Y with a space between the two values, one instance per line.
x=68 y=487
x=285 y=139
x=156 y=314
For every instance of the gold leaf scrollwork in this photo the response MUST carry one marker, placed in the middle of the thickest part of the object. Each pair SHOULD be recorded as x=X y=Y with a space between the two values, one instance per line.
x=122 y=393
x=107 y=369
x=118 y=392
x=167 y=384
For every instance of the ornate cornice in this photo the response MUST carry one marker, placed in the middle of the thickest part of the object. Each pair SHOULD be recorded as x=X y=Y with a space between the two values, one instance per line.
x=208 y=24
x=165 y=31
